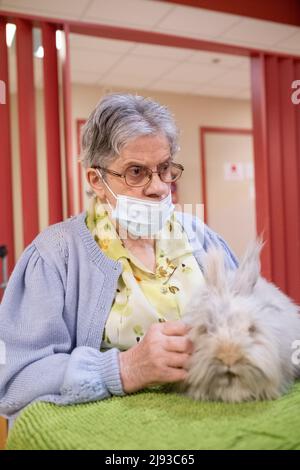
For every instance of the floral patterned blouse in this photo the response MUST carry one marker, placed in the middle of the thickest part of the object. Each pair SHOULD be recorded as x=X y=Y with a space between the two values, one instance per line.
x=144 y=297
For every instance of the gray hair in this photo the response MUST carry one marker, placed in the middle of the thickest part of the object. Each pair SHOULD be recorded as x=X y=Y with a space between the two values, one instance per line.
x=119 y=118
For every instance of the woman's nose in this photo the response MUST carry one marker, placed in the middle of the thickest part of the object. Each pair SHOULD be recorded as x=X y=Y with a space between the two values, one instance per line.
x=156 y=187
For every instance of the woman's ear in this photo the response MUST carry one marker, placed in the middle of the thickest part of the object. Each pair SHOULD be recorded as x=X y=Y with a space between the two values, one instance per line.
x=95 y=182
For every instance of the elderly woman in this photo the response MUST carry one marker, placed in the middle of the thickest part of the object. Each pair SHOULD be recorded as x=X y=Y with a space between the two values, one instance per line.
x=95 y=305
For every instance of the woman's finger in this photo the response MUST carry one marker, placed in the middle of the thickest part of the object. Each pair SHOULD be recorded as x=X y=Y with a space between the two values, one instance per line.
x=179 y=344
x=175 y=328
x=179 y=360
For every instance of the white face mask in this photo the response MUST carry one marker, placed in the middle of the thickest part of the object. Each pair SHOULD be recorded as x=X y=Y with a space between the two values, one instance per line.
x=140 y=217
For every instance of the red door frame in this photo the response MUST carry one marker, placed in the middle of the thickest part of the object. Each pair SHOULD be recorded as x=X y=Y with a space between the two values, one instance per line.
x=67 y=105
x=6 y=199
x=213 y=130
x=276 y=124
x=51 y=99
x=27 y=129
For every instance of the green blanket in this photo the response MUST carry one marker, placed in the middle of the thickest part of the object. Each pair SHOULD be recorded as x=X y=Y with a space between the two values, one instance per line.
x=157 y=420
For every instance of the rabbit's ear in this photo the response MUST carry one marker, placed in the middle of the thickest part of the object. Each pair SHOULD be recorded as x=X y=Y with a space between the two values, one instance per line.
x=214 y=270
x=248 y=272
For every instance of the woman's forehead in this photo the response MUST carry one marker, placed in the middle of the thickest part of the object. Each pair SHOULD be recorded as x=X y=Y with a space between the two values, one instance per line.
x=147 y=150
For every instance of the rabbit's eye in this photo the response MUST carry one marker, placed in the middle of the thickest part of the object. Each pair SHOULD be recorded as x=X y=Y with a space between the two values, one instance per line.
x=202 y=330
x=252 y=329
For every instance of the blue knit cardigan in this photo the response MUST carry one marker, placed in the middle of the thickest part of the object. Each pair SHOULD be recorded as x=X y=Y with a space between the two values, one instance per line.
x=54 y=311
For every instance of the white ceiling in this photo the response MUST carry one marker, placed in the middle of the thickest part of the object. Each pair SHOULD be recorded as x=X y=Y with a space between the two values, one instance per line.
x=126 y=64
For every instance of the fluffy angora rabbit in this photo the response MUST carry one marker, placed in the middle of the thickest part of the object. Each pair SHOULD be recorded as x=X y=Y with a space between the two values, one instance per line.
x=244 y=331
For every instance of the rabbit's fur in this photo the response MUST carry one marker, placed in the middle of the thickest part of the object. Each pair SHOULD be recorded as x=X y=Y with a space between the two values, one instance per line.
x=244 y=331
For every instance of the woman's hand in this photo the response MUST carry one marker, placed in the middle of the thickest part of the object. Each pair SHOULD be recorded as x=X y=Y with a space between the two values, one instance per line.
x=161 y=357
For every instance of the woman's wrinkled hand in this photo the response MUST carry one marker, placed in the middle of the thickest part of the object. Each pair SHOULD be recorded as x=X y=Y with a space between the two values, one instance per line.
x=161 y=357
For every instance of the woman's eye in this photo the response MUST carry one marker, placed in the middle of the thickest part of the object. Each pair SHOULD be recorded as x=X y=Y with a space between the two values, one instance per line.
x=165 y=167
x=202 y=329
x=135 y=170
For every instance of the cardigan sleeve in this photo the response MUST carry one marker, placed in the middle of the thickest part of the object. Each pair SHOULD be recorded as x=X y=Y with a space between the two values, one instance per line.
x=214 y=239
x=38 y=356
x=203 y=237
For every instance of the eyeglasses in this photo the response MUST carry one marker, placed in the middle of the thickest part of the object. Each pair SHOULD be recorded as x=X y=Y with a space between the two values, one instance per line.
x=139 y=175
